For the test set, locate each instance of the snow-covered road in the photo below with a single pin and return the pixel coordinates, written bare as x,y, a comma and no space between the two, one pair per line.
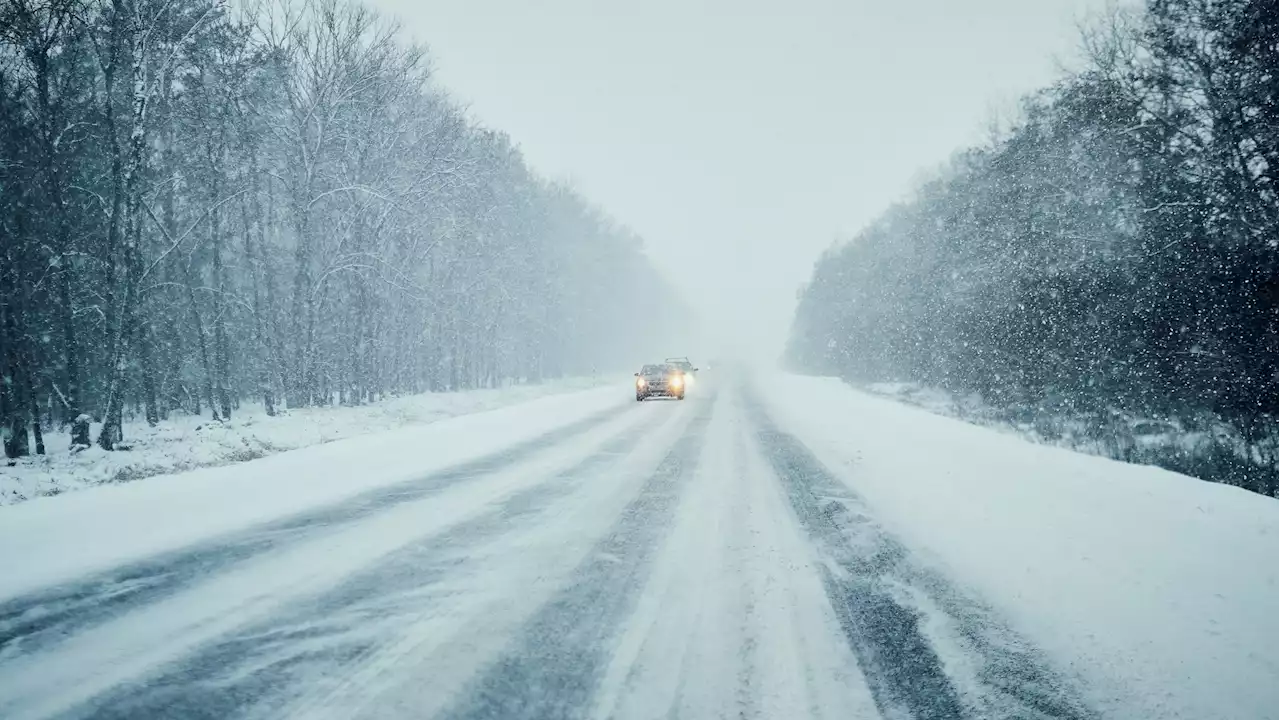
617,560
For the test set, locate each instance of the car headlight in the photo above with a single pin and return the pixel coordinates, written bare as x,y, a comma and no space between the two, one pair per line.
640,382
676,380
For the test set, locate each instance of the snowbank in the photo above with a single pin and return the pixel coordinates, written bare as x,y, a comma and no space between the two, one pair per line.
186,442
1203,445
1158,590
48,540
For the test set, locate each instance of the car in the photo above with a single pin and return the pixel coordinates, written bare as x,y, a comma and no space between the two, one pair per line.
660,380
685,367
682,363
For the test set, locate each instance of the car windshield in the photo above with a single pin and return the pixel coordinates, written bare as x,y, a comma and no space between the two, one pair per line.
320,320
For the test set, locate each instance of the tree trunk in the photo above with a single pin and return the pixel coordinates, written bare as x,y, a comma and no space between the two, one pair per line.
111,429
34,405
275,335
220,358
12,400
300,387
175,341
146,358
66,319
54,204
255,272
29,366
203,345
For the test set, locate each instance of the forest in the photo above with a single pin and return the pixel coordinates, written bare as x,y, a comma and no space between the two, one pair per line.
203,206
1104,260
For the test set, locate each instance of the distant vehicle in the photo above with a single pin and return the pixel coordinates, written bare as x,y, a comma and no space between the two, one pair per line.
682,363
685,367
660,380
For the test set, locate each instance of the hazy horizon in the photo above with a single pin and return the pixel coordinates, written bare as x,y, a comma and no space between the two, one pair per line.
738,166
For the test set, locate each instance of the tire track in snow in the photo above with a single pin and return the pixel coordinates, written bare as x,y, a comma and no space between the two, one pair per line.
259,670
553,668
889,609
660,657
733,620
138,643
39,620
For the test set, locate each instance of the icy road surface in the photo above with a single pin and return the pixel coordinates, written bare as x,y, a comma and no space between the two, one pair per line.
618,560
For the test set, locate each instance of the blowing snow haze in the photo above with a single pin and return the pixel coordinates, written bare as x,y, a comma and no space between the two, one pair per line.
354,367
741,138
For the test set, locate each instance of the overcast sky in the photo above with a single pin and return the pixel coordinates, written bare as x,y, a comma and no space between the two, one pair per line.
740,138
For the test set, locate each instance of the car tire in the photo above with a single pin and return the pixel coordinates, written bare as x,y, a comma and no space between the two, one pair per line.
639,397
680,396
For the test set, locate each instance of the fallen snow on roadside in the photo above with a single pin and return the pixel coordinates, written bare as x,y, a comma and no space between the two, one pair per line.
185,442
1195,445
49,540
1158,590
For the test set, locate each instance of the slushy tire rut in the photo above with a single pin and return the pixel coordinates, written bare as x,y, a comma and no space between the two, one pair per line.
258,670
865,573
555,665
33,622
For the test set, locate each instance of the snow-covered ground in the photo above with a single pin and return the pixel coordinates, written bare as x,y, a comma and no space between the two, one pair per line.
1156,589
1205,446
771,547
61,537
185,442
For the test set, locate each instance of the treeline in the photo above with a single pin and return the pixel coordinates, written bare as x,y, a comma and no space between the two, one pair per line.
201,207
1112,254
